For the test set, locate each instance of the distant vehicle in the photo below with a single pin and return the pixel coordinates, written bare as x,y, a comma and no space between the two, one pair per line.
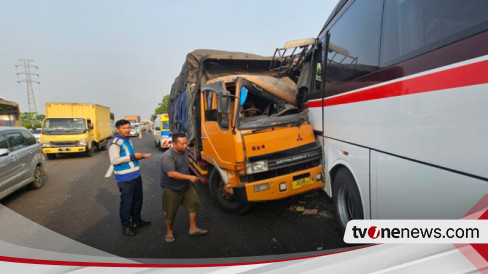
75,128
9,113
162,136
134,130
157,130
21,160
37,134
133,118
112,123
166,141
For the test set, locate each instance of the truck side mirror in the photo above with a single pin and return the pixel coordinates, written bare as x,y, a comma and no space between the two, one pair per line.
91,126
223,105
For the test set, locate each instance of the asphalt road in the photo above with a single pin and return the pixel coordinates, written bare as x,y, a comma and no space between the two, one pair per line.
78,202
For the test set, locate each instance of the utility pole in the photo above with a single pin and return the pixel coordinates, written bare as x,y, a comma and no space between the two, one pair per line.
28,80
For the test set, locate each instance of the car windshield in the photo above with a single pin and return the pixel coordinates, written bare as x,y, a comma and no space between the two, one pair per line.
64,126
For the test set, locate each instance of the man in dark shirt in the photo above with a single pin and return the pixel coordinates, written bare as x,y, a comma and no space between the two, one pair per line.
178,187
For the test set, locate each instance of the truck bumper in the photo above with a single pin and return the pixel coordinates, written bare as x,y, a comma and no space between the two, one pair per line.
63,150
282,186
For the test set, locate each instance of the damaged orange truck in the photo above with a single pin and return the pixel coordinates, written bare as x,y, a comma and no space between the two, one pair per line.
247,138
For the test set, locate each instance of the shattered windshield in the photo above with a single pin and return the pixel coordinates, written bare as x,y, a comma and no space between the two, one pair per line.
263,121
65,126
262,109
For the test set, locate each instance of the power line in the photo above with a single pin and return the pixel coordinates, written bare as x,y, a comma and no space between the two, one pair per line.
28,80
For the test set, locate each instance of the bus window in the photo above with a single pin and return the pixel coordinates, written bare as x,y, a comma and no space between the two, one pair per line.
353,50
411,28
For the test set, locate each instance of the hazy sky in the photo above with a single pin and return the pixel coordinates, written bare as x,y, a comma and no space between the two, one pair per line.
126,54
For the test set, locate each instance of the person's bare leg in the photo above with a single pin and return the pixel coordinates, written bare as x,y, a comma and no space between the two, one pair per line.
169,231
169,228
193,224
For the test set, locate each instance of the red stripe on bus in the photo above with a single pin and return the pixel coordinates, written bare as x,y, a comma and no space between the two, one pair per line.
468,75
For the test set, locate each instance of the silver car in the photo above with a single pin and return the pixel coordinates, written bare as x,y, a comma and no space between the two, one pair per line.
134,130
21,160
37,134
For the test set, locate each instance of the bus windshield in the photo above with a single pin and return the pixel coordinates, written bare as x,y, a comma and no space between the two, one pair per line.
9,114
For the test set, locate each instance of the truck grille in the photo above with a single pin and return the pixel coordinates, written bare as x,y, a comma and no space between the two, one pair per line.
65,144
286,162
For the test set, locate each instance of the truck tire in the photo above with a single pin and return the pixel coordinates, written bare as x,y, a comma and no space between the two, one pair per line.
90,151
347,200
102,145
225,201
51,156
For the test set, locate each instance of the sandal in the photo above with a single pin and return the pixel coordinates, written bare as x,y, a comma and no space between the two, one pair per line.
198,232
169,238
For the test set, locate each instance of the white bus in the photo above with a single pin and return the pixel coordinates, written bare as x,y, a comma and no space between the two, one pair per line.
398,97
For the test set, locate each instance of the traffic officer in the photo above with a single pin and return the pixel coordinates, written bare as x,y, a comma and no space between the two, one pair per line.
128,176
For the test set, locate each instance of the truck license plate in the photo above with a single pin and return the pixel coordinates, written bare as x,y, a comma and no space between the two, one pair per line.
301,183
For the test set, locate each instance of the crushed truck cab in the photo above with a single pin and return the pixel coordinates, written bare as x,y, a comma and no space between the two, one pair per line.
247,138
270,155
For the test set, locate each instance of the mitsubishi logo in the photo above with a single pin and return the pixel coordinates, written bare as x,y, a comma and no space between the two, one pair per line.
299,138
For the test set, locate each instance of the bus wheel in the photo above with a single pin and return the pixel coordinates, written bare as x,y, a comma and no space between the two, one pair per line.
51,156
346,198
225,201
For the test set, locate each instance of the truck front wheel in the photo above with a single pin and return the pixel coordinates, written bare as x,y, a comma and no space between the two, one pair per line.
224,200
90,151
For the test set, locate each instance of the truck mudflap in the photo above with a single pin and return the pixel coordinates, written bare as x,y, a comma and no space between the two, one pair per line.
281,187
240,193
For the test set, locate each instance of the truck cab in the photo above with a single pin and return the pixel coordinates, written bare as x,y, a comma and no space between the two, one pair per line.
259,146
66,135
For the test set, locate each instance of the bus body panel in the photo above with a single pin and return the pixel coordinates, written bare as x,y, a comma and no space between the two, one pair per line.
409,190
426,127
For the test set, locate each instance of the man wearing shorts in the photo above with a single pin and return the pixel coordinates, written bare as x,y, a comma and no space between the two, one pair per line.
178,187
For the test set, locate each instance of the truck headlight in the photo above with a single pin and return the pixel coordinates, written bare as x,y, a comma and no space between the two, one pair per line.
256,167
46,144
83,142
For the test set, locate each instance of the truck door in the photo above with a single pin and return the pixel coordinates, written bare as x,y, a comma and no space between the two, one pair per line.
217,138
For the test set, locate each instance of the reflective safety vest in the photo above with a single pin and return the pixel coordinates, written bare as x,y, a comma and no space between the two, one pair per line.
125,171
